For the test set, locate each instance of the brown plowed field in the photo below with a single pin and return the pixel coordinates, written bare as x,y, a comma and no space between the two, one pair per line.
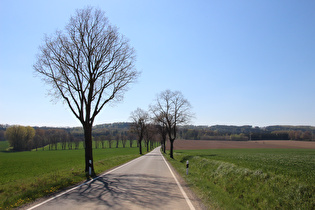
200,144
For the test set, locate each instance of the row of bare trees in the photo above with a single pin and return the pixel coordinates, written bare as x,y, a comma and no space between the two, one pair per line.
23,138
170,109
144,128
55,137
114,139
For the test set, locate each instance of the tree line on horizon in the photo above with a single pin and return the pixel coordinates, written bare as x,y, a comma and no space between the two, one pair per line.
28,138
25,138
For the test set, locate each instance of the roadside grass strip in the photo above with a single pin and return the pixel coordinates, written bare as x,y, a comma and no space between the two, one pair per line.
225,185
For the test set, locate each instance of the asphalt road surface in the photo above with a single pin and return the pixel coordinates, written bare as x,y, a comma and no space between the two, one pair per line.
144,183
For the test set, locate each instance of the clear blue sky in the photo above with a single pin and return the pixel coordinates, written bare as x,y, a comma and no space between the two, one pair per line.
237,62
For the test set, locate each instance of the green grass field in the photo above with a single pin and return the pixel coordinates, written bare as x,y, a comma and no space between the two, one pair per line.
25,176
250,178
3,145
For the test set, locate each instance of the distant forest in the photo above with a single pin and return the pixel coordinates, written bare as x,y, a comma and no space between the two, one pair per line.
247,132
216,132
121,132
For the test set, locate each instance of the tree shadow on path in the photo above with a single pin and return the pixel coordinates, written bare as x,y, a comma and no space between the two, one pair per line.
117,191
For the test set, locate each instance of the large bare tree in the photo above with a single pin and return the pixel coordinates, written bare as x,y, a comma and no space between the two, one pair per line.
88,65
171,109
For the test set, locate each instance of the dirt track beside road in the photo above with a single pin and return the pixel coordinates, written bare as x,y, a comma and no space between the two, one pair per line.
202,144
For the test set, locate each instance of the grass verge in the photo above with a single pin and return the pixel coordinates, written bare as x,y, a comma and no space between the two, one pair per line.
250,178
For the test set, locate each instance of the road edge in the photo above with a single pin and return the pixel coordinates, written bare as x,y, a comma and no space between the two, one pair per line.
196,201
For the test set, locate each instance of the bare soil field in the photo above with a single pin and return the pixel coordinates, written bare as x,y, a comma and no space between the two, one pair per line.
200,144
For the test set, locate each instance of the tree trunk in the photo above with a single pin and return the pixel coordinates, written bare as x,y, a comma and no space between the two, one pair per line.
140,147
88,151
171,154
164,144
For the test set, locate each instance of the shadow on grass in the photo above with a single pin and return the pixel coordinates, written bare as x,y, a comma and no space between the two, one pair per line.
14,151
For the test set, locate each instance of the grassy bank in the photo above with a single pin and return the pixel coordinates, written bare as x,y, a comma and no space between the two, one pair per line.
251,178
25,176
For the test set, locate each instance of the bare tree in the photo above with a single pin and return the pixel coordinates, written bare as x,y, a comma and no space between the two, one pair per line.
124,138
117,137
103,138
53,136
70,142
131,137
109,139
87,65
149,134
39,138
96,141
160,121
64,138
77,142
140,119
172,109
